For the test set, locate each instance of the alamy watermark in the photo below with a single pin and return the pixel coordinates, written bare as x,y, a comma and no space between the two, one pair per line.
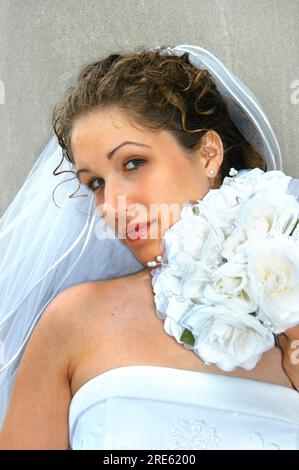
295,93
132,219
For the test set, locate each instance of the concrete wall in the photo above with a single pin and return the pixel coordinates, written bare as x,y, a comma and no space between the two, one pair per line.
44,44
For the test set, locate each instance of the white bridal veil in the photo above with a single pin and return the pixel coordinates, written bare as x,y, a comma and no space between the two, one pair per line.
45,248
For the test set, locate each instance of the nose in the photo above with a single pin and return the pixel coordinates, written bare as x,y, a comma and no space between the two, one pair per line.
113,209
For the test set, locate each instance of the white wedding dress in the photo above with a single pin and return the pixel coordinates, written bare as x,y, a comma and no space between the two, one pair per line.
153,407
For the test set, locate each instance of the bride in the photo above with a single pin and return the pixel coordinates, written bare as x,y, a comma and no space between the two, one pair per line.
87,363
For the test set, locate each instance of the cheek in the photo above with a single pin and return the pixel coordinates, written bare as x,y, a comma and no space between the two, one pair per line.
168,182
160,191
175,183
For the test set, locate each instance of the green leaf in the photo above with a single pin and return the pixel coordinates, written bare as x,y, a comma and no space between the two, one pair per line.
187,337
195,210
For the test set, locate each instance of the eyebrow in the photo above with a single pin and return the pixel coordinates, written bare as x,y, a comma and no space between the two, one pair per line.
111,153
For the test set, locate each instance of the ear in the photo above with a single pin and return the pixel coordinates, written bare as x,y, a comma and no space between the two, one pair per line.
211,152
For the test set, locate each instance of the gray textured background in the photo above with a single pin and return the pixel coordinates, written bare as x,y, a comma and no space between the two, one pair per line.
44,44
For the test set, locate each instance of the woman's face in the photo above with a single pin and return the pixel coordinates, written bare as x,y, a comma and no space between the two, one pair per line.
145,182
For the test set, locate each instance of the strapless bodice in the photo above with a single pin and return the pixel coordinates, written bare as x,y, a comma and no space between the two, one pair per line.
153,407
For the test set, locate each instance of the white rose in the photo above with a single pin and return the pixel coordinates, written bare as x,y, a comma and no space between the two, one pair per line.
274,179
234,190
232,247
174,313
220,199
229,281
227,338
168,288
194,284
262,214
273,270
268,213
189,241
244,183
173,328
258,180
219,208
163,281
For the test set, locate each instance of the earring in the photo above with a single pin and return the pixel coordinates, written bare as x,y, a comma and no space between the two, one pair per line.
212,172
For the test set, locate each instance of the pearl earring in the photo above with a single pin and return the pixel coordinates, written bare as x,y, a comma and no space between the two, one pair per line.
212,172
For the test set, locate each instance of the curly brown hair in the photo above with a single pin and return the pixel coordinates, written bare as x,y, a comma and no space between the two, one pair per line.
160,91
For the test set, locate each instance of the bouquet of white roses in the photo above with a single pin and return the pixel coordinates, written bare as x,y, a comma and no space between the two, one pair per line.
229,275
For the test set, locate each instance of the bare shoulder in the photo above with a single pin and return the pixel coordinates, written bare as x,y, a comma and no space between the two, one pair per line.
37,415
75,304
85,306
112,322
123,295
101,293
89,308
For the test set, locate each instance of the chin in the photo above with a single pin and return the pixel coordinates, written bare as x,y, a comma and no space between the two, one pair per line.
145,250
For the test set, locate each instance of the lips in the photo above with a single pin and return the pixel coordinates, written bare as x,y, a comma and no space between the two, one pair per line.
136,230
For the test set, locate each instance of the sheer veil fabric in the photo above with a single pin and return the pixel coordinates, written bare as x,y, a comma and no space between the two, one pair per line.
47,246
